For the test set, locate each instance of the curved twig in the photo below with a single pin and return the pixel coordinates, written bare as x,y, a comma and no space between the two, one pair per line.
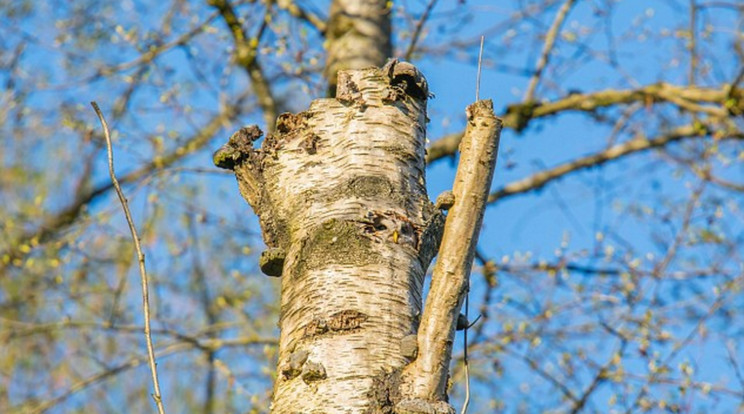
417,31
140,259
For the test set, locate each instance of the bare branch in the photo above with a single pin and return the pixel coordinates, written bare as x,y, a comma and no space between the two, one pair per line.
94,379
140,259
246,56
23,329
711,101
693,43
550,37
599,378
656,374
540,179
60,221
171,349
417,31
735,364
303,14
735,83
535,366
426,377
150,55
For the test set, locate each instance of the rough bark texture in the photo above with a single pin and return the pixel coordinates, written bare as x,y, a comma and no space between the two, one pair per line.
340,193
358,36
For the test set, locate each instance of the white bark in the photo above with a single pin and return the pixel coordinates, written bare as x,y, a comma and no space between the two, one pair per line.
340,192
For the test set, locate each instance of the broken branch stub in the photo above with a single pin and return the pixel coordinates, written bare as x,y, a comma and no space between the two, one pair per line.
424,381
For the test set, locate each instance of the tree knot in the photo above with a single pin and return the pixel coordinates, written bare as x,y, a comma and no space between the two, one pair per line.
343,321
238,147
405,79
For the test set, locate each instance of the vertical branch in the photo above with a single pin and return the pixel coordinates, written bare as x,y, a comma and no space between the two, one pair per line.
475,252
542,62
478,76
426,377
140,259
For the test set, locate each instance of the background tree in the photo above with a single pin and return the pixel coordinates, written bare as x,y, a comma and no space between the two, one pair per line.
608,275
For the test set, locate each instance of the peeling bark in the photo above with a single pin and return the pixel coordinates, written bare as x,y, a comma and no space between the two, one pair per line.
340,193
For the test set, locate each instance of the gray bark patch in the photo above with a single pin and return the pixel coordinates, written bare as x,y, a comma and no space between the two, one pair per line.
369,186
288,122
445,201
313,371
293,367
418,406
384,393
343,321
390,226
431,235
346,320
335,242
409,346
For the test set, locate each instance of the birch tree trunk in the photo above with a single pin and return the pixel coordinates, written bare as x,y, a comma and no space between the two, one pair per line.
341,196
358,37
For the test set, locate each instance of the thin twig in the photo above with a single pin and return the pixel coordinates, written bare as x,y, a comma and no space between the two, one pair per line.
147,57
735,364
170,348
534,365
478,75
679,346
140,259
542,62
417,31
465,351
56,223
211,315
599,378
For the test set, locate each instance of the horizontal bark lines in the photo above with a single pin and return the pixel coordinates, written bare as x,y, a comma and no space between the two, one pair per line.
340,192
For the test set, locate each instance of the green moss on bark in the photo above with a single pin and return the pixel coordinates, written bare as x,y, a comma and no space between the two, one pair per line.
337,242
